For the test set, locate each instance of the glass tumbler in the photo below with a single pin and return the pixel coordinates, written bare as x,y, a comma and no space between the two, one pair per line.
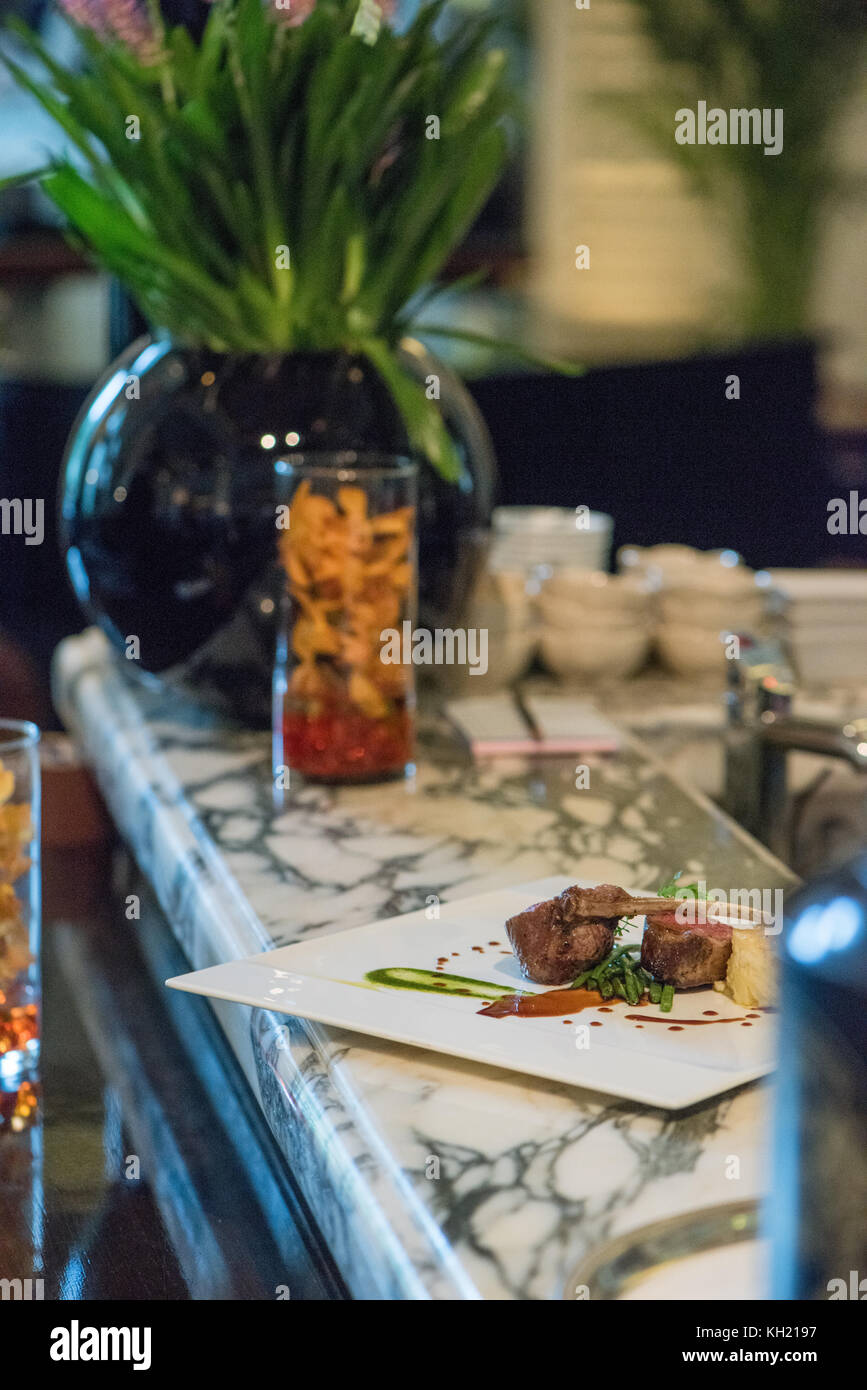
19,902
344,693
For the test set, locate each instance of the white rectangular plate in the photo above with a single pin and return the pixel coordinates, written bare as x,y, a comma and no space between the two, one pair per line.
664,1061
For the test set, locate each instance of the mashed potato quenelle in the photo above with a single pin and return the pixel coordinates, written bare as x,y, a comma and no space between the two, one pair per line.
751,977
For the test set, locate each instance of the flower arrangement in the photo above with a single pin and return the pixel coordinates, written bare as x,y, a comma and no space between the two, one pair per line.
294,180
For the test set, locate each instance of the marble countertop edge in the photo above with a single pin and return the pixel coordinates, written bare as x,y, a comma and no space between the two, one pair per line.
163,820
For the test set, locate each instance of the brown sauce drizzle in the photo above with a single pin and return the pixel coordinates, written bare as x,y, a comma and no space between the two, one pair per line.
681,1022
552,1004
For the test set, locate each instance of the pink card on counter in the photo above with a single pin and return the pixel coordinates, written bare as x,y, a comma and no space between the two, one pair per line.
540,725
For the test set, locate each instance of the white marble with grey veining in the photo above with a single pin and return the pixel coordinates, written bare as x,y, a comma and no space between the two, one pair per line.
430,1178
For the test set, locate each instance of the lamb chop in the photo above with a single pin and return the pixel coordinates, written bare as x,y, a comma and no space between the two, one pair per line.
555,941
685,955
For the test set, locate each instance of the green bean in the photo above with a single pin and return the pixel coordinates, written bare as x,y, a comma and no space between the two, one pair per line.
633,991
600,971
655,991
625,950
620,988
616,963
666,999
606,989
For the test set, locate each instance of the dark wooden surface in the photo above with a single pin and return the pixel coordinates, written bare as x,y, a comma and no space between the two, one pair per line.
38,257
145,1170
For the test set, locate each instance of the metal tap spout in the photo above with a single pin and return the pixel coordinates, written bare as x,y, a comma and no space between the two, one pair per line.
762,731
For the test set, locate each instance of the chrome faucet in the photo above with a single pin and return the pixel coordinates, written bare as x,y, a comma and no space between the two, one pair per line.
761,731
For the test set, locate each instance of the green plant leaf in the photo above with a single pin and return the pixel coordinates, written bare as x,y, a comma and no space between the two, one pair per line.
19,180
424,423
258,135
504,346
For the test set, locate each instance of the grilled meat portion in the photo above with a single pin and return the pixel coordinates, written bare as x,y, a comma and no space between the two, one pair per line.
685,956
556,940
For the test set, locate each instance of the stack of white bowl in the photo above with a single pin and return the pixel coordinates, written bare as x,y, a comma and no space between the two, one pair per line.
499,605
595,626
703,598
824,623
535,540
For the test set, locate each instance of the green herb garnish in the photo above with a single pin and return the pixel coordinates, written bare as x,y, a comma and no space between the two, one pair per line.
675,889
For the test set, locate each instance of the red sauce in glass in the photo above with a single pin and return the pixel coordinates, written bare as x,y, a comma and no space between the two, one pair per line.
343,744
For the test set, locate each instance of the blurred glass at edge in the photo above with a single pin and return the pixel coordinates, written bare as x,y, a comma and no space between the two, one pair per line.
817,1186
20,906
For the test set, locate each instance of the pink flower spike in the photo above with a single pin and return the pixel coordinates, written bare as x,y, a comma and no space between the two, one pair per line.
294,12
125,20
86,13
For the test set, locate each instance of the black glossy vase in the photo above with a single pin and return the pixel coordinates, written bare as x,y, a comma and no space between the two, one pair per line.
168,500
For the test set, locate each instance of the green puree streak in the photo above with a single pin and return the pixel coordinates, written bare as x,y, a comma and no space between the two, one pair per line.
434,982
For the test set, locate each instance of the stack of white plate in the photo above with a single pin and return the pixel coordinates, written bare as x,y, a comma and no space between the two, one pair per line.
533,539
824,623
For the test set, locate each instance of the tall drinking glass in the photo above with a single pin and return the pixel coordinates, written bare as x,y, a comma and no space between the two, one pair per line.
344,690
19,902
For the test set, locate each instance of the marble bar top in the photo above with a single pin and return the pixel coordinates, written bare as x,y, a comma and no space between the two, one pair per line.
531,1175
